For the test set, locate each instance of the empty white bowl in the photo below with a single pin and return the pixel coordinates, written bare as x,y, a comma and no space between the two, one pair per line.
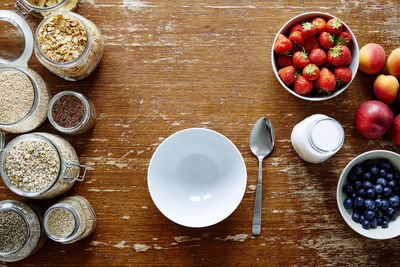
353,49
197,177
378,233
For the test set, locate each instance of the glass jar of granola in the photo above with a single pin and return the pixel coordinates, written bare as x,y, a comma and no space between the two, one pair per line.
44,8
69,45
69,220
24,95
40,165
21,232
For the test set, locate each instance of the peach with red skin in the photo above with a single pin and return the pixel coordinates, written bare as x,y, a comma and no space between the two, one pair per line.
386,88
372,58
393,63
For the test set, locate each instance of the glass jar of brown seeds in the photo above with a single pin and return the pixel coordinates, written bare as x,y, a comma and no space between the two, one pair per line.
71,113
69,45
40,165
21,232
69,220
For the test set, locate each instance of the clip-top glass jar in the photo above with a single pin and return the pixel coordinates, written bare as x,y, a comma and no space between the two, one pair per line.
40,166
69,45
24,95
44,7
69,220
21,232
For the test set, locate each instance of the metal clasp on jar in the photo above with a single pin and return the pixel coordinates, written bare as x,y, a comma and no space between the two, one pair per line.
69,168
20,8
2,141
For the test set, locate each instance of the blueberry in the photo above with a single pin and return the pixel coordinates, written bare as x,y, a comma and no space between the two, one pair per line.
385,164
368,163
390,211
397,175
359,202
357,184
361,192
393,216
370,192
392,184
378,188
381,181
385,218
394,201
352,177
374,170
378,202
382,172
366,224
387,191
362,218
385,224
348,203
374,222
367,184
367,175
357,169
389,176
369,204
385,205
369,214
348,188
380,221
355,217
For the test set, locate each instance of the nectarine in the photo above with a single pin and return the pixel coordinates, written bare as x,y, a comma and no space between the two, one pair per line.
372,58
393,63
386,88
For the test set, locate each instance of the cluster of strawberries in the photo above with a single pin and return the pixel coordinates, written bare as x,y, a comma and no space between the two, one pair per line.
315,55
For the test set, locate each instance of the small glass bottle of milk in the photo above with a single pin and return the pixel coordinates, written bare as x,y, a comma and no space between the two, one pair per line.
317,138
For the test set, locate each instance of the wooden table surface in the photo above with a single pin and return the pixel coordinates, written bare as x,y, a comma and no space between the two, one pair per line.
171,65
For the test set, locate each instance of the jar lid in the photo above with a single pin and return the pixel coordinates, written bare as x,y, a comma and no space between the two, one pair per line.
18,22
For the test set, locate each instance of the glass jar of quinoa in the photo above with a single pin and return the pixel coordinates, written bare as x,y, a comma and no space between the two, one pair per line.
44,8
69,45
69,220
24,95
21,232
40,166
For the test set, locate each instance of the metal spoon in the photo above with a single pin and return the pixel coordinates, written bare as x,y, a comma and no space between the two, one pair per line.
261,144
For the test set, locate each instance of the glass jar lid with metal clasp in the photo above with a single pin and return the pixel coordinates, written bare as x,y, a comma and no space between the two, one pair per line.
43,8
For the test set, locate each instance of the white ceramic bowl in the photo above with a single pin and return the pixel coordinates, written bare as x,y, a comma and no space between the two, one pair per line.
353,48
378,233
197,177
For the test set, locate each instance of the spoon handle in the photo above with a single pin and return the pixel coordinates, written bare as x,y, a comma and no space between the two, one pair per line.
256,228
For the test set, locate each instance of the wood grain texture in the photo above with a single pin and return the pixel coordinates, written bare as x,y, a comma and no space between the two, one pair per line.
171,65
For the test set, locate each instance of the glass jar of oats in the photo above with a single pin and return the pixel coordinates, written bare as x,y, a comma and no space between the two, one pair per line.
24,95
69,45
44,8
69,220
21,232
40,166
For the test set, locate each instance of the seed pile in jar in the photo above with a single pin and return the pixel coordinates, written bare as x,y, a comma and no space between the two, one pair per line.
68,111
44,3
13,231
32,165
16,96
62,39
60,223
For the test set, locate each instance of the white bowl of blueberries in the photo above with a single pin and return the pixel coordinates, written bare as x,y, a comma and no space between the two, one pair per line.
368,194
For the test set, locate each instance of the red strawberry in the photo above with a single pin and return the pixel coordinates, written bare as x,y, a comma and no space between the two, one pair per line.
339,56
300,60
311,72
326,40
343,74
287,74
284,60
326,80
282,44
302,86
297,39
334,26
343,39
318,57
320,23
310,43
295,28
308,29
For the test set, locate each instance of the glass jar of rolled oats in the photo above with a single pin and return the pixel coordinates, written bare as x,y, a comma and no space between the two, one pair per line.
21,232
24,95
40,165
69,45
43,8
69,220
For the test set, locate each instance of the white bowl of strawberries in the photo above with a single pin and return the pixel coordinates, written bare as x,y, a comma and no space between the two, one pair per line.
315,56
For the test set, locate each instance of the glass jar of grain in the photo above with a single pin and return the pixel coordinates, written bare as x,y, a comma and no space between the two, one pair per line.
21,232
71,113
24,95
69,220
40,166
69,45
44,8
